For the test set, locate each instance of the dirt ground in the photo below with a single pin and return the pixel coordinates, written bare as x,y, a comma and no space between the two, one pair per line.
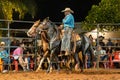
90,74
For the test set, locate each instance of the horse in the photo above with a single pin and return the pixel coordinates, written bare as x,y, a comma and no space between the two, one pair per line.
32,32
54,37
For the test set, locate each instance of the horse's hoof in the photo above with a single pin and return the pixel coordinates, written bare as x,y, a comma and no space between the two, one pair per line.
47,71
57,72
70,72
37,70
81,71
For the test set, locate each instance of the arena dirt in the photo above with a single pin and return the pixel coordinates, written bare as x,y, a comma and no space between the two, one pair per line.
90,74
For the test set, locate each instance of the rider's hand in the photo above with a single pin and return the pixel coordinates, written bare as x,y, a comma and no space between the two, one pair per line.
61,26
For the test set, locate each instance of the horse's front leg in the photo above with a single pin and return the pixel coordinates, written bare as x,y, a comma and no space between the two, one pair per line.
57,62
84,52
53,57
83,62
50,63
41,61
77,66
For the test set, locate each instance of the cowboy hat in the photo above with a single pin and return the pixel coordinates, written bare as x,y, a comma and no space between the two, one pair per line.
2,43
67,9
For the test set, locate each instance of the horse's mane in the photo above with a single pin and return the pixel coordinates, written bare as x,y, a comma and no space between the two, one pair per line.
55,27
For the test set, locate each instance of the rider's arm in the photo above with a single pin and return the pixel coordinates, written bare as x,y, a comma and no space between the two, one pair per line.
67,19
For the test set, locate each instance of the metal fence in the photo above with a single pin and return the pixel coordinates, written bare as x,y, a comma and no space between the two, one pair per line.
9,30
7,33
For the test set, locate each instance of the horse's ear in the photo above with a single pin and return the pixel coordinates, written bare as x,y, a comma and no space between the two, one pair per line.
38,21
47,18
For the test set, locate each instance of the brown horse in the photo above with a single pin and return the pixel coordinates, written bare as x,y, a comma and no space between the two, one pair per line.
53,36
32,32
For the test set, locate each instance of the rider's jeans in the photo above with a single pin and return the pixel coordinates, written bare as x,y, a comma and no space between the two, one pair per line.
66,39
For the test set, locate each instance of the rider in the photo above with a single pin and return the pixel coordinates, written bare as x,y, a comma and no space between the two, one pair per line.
68,25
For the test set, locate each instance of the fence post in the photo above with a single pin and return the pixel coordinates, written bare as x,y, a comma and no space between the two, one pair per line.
8,25
35,66
98,26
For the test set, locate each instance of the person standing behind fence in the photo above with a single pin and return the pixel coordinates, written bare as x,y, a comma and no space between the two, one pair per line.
68,25
14,43
109,50
99,56
101,42
109,43
18,55
4,58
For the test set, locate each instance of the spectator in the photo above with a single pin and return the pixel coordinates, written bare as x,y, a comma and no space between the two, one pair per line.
117,44
18,55
109,51
27,53
99,55
109,43
116,59
27,60
14,43
25,41
30,48
101,43
92,41
4,56
31,51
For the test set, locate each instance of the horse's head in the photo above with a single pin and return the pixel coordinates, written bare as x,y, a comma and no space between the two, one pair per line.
45,24
32,31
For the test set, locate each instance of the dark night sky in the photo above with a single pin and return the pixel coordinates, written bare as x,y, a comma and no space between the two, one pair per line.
52,8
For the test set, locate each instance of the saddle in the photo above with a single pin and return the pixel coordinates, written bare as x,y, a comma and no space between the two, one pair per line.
74,35
74,38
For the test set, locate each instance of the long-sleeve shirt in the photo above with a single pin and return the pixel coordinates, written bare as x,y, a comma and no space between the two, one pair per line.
4,54
68,21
